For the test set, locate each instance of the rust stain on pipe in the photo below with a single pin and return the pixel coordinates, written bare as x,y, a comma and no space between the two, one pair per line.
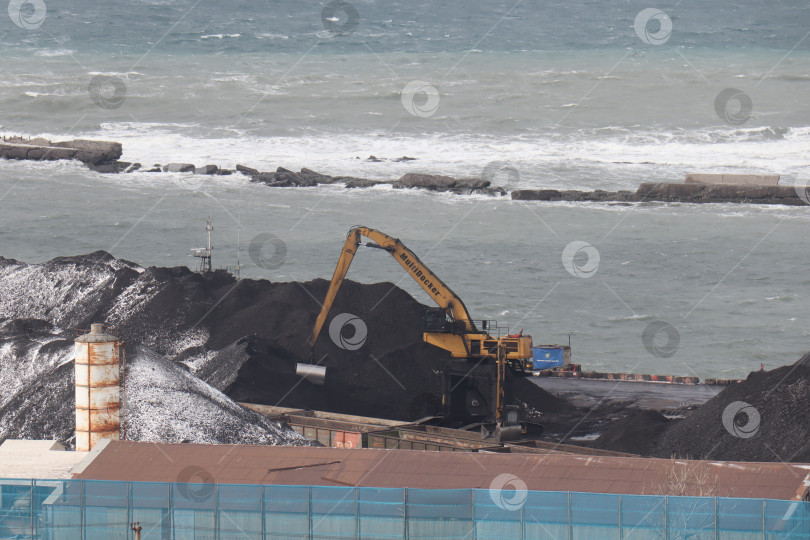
98,390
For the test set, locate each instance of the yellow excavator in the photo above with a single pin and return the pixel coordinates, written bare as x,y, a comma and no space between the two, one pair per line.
478,355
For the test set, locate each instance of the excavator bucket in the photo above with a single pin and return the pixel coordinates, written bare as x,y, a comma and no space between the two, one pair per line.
311,372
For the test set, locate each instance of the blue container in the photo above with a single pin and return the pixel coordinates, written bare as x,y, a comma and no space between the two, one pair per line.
551,356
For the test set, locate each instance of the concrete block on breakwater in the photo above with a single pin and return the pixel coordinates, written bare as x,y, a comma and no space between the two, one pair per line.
88,152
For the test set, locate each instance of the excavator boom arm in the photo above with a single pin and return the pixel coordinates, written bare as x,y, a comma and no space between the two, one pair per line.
430,282
346,257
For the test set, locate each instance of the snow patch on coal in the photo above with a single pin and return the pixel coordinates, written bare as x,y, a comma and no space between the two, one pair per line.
61,290
164,402
167,404
29,347
221,369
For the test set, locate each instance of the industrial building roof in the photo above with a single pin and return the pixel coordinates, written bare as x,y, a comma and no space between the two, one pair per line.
37,459
246,464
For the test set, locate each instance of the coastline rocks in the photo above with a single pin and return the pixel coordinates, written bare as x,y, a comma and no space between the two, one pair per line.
375,159
249,171
179,167
308,178
207,169
461,186
113,167
433,182
287,178
361,183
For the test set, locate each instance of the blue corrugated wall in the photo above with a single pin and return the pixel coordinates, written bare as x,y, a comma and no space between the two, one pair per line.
77,509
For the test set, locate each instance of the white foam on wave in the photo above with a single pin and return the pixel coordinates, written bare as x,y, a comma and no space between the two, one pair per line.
220,36
54,52
115,73
609,158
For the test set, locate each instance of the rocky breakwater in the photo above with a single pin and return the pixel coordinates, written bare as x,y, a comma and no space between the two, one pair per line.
103,157
308,178
673,192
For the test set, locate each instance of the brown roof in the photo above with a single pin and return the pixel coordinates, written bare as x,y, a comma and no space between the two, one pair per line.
286,465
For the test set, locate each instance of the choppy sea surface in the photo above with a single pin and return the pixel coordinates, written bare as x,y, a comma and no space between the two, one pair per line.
573,95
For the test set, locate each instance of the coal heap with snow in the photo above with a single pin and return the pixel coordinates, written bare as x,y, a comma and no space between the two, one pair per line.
165,403
243,338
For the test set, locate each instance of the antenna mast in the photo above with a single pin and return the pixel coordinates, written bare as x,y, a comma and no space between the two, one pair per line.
238,244
204,254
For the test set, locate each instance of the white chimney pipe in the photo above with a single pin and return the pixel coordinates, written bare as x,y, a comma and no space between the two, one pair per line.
98,397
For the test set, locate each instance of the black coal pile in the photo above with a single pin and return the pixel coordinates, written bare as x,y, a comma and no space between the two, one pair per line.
245,337
763,418
636,433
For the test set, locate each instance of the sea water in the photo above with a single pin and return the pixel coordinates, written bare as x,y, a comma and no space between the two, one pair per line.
573,95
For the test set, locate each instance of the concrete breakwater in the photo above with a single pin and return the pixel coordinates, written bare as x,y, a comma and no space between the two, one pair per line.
672,192
92,153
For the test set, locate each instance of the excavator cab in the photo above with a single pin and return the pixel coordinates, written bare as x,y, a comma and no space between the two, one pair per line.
436,321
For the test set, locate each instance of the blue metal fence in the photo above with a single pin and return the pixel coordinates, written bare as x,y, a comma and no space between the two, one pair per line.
88,510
